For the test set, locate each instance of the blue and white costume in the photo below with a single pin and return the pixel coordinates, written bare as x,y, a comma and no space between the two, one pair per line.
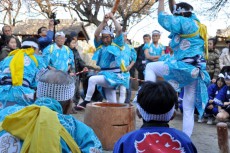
152,139
128,55
188,70
81,133
166,57
222,96
108,58
153,50
59,58
213,91
21,95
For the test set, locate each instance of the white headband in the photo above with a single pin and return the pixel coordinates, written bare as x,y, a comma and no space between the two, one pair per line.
55,91
180,10
221,75
156,32
60,33
30,43
156,117
107,30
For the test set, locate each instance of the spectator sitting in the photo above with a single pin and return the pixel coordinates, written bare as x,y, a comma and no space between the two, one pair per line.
11,44
48,126
212,109
7,32
222,99
45,36
58,56
156,107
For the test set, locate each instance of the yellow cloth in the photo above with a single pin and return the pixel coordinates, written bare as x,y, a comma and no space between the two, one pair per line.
17,64
123,67
112,44
204,36
202,30
40,129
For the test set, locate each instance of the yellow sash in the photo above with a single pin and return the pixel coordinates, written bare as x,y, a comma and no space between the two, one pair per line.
40,129
17,64
112,44
122,66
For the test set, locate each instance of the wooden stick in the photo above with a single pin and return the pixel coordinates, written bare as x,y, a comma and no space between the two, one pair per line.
74,74
222,134
115,6
137,79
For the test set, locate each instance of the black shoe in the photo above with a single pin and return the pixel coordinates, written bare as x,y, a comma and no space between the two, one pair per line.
81,106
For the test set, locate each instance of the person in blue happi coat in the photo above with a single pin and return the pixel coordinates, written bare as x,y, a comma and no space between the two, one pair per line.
129,56
109,58
57,56
222,99
35,126
153,51
156,106
188,69
18,75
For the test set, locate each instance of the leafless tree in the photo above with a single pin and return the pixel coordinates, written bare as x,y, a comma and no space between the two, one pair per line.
43,7
10,9
131,11
87,10
215,7
128,10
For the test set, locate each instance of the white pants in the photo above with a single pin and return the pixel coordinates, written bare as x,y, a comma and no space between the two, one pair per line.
122,94
155,69
110,92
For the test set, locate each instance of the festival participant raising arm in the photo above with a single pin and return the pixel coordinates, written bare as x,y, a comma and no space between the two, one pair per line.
188,70
108,57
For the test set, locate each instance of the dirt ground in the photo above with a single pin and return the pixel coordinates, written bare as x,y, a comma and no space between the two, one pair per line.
204,136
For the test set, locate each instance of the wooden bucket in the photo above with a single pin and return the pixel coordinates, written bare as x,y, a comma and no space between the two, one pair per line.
110,121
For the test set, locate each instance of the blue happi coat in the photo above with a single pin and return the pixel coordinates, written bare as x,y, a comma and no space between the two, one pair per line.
128,54
155,139
109,58
180,72
81,133
21,95
222,96
213,91
153,50
59,58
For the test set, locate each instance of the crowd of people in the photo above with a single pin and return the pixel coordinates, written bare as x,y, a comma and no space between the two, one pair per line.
39,83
